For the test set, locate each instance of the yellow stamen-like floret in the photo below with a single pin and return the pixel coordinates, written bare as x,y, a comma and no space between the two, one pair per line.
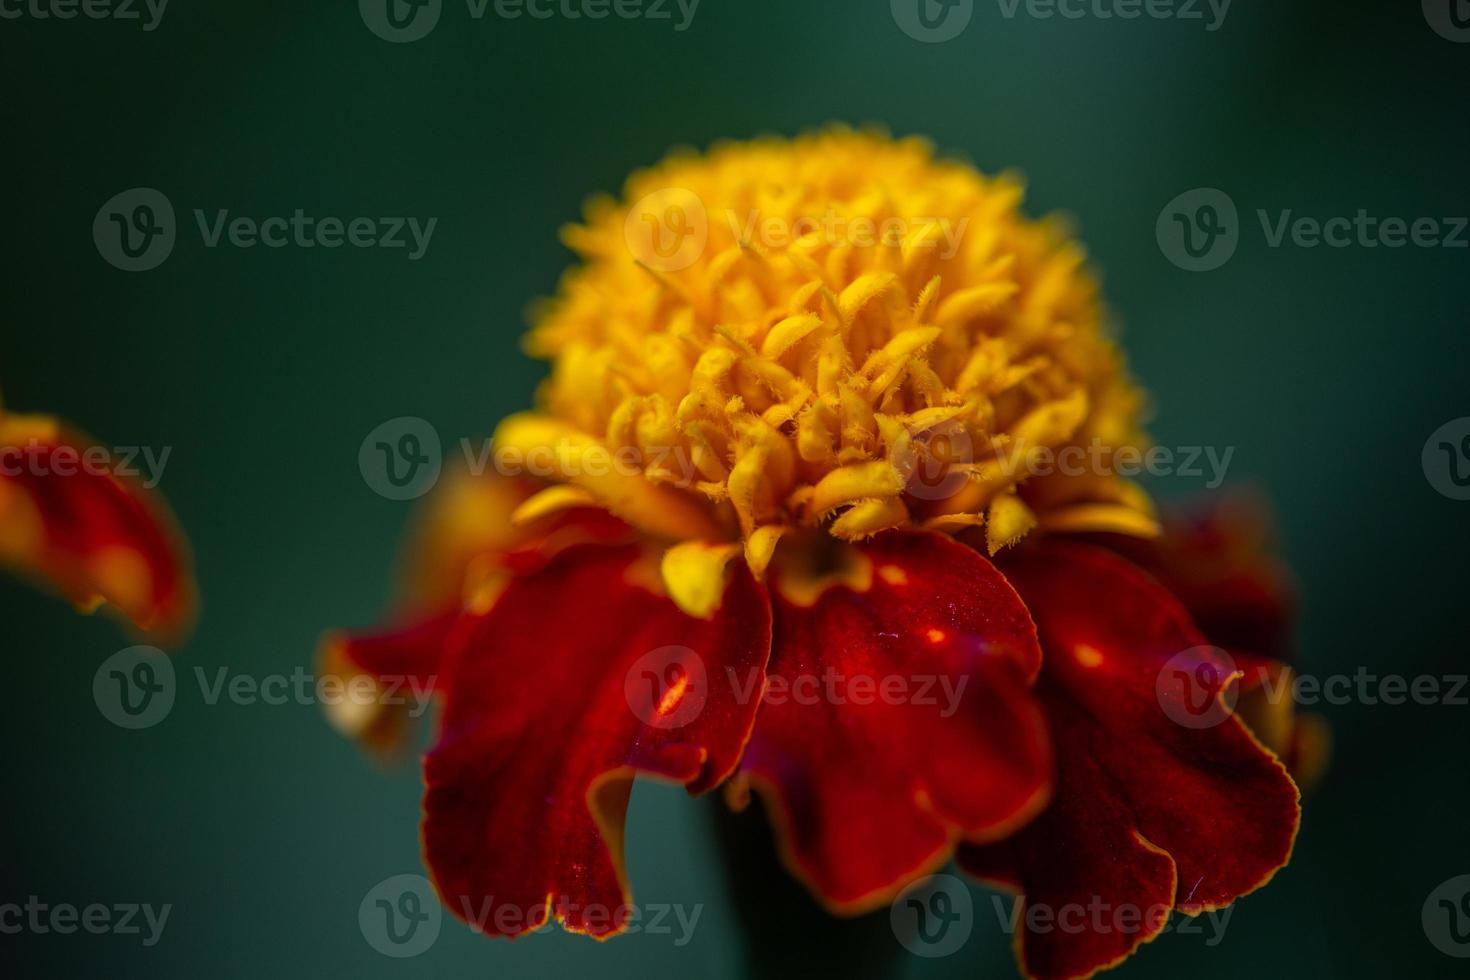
838,331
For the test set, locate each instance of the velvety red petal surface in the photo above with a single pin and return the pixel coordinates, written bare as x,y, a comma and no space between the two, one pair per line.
1216,558
464,548
580,677
97,537
1147,811
866,791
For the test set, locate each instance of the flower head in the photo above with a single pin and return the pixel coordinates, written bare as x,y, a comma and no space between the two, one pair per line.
837,331
783,523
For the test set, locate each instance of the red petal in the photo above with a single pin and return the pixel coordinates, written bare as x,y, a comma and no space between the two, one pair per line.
1216,558
1147,811
865,796
465,547
555,700
96,536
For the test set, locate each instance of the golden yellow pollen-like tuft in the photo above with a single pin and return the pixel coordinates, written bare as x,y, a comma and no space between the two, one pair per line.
838,331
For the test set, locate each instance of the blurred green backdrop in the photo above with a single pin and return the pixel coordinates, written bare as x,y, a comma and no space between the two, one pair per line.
1326,368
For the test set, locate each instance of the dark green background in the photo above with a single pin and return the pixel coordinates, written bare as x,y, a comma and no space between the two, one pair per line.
264,370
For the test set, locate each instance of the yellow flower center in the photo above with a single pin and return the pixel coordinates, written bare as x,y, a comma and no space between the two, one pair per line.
835,332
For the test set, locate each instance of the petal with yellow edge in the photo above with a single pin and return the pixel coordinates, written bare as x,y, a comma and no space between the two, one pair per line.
99,537
1149,815
474,534
581,677
899,717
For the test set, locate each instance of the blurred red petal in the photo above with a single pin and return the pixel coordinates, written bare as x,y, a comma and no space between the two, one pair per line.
865,796
1146,810
97,536
580,677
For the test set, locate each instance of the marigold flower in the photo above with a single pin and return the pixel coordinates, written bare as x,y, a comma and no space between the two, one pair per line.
96,535
804,405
